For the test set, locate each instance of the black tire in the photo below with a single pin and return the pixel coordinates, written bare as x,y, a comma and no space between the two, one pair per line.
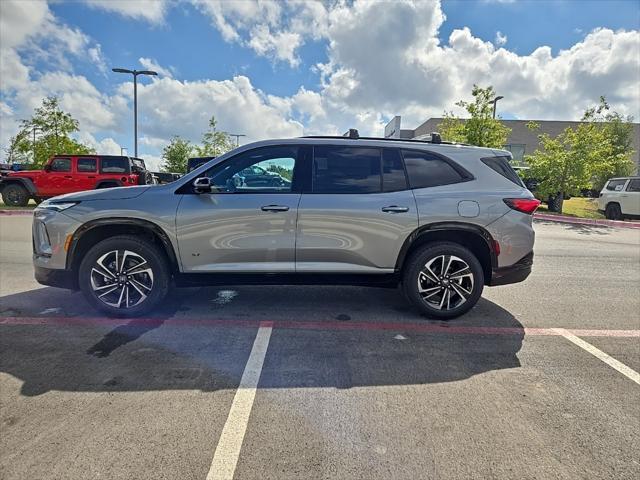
158,280
473,281
14,195
613,212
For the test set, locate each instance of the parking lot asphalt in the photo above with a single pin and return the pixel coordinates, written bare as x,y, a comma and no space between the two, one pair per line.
335,382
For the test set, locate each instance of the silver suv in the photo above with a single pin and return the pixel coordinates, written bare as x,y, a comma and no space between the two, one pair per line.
442,220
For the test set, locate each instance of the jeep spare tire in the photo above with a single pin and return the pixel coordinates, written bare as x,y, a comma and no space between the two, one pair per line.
145,178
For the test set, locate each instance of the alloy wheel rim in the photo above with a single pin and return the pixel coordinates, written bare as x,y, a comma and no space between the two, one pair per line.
121,279
445,282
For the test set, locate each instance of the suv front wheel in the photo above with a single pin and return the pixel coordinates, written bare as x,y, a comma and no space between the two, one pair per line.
124,276
444,280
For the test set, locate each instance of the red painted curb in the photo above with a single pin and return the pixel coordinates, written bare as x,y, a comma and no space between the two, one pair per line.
586,221
16,212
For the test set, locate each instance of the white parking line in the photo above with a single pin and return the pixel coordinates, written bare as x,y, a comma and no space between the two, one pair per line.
227,452
612,362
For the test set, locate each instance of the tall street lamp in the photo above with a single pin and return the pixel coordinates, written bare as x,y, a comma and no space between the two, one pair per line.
135,74
495,101
237,135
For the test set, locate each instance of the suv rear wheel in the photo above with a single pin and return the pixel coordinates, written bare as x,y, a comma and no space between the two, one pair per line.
14,195
444,280
124,276
613,212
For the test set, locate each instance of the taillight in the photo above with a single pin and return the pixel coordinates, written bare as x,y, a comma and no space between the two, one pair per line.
524,205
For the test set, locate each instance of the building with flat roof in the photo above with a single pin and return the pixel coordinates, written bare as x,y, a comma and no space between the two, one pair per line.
521,141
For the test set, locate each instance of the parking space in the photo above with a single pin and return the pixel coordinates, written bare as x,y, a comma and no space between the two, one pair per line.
352,383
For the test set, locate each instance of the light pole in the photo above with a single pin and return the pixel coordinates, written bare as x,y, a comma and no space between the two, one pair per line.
35,129
135,74
495,101
237,135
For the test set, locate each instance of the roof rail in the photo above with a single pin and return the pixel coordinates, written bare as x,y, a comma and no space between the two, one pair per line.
435,138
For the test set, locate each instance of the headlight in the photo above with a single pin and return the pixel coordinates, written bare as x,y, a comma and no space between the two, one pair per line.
55,206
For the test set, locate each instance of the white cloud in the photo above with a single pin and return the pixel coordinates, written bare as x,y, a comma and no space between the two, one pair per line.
151,64
275,30
152,11
29,31
500,39
172,107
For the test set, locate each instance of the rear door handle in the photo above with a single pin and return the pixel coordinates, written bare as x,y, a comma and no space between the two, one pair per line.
275,208
395,209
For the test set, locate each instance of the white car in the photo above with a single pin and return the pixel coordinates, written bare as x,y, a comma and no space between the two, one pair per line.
620,198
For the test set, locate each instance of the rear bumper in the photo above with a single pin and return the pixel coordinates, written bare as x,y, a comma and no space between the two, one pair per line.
56,278
515,273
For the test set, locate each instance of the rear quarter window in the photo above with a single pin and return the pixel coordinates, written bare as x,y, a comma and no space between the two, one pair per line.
616,185
502,166
114,165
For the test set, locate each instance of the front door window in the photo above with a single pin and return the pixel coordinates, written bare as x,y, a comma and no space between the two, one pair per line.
266,170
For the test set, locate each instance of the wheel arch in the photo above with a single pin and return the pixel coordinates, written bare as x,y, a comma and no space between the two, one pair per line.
474,237
108,184
24,182
94,231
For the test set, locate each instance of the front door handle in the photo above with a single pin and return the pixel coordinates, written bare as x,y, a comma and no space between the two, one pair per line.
68,176
395,209
275,208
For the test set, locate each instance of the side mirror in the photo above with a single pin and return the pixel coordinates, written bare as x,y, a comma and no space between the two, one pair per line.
202,185
47,167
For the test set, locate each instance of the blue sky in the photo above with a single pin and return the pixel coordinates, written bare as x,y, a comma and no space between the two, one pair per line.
286,68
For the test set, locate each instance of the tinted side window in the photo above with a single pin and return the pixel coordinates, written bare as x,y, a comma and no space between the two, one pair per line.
114,165
61,165
634,185
504,168
263,170
427,170
346,170
86,165
616,185
393,176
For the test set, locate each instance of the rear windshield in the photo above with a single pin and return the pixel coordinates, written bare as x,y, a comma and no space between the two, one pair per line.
504,168
114,165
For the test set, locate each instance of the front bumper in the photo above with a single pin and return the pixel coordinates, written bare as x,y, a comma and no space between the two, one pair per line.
53,277
515,273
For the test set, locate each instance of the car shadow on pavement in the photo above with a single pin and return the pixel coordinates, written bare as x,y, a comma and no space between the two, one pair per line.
205,345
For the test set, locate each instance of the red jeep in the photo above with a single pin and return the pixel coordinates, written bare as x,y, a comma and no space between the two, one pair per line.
72,173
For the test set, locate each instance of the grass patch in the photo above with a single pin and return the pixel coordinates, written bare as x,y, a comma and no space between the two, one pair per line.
30,206
577,207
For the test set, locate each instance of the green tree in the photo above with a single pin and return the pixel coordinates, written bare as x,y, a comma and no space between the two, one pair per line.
619,131
176,154
564,164
53,128
214,142
583,157
480,129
